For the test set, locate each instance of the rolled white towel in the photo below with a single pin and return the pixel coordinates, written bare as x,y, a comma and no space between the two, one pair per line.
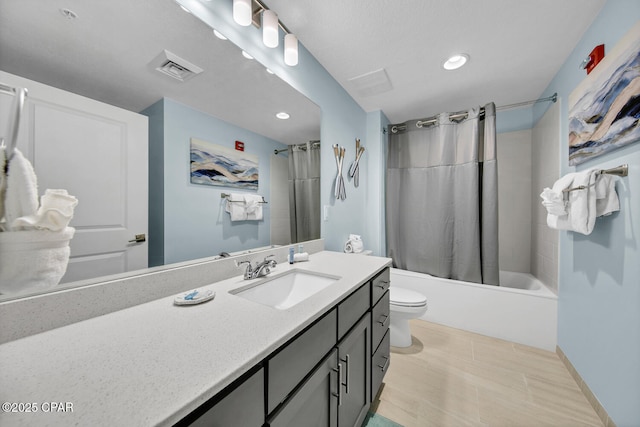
354,244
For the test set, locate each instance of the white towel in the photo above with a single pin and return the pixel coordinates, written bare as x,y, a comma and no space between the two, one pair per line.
606,197
253,206
55,212
354,245
33,260
598,198
553,202
21,198
236,207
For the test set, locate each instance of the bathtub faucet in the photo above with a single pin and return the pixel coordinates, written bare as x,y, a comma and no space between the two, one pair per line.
262,268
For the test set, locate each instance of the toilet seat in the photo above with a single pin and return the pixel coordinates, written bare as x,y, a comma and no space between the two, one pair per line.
406,297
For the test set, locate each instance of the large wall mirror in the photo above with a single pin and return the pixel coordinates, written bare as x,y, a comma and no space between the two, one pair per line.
105,51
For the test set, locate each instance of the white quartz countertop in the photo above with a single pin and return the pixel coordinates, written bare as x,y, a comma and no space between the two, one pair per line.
154,363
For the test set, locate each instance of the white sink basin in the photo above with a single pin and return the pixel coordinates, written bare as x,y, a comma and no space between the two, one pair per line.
285,290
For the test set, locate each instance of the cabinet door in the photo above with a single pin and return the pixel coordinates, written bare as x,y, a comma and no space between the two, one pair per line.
354,356
380,363
316,402
243,407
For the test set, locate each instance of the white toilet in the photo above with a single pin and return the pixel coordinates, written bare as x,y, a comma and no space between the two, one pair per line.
405,304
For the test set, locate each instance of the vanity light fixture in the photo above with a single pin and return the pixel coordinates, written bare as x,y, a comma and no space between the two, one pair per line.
242,12
455,61
246,12
282,115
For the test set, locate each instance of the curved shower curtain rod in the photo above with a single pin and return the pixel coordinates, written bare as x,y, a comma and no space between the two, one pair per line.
425,122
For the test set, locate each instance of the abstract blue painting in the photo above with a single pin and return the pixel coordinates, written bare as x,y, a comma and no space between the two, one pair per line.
604,110
213,164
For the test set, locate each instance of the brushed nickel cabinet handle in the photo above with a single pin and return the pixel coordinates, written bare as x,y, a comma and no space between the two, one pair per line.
339,394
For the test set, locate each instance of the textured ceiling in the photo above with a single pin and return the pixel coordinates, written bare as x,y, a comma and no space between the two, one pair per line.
516,47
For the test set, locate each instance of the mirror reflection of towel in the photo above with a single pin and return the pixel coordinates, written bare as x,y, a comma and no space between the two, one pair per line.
253,206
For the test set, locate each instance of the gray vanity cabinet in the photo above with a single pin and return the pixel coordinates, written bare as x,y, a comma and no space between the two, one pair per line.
316,401
242,407
354,363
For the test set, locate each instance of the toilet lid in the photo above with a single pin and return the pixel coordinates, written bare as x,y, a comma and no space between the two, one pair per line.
406,297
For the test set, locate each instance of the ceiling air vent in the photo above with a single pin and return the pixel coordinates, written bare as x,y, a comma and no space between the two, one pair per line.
174,66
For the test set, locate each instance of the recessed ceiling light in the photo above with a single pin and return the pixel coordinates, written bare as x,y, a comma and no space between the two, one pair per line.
269,71
282,115
219,35
456,61
246,55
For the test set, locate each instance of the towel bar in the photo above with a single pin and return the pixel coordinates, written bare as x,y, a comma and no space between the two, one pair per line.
227,196
622,170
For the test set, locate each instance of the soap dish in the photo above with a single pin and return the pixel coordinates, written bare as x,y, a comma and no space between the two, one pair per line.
196,296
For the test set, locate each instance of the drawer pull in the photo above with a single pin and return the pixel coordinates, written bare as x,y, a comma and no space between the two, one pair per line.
383,284
383,322
346,384
339,394
386,363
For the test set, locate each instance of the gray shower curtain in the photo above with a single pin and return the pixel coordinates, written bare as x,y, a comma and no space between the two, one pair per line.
304,191
442,198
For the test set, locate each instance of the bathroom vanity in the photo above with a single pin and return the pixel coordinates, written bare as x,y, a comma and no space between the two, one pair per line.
229,361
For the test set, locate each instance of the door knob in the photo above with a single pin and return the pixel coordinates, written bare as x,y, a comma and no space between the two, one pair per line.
139,238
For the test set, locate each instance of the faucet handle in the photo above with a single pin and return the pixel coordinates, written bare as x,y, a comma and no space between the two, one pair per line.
269,259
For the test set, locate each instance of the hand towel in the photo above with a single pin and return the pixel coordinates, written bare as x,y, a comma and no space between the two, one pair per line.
606,197
253,204
553,202
55,212
581,204
236,207
21,197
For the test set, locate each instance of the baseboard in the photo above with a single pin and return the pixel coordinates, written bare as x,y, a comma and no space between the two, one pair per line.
591,398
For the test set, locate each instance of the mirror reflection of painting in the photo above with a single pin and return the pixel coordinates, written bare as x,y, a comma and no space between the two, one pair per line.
213,164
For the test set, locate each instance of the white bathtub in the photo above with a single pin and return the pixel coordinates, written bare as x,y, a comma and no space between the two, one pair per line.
521,310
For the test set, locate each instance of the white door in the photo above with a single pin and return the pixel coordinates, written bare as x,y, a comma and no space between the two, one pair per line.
99,154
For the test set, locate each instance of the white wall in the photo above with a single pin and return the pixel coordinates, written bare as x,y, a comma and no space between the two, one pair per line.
514,200
545,151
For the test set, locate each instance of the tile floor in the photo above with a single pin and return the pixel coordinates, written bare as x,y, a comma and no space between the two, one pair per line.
450,377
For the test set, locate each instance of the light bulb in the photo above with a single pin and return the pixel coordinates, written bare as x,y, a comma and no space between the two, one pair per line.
290,50
242,12
270,28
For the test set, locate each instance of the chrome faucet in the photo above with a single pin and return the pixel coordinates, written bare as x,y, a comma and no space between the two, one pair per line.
262,268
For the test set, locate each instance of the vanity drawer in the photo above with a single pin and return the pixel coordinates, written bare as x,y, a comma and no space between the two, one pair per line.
380,363
380,285
352,309
380,319
295,360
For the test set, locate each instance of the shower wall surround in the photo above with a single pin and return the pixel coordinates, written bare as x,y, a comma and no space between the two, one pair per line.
514,195
545,150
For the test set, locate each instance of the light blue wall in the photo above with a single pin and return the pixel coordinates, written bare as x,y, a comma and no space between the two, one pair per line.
342,120
599,277
189,221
